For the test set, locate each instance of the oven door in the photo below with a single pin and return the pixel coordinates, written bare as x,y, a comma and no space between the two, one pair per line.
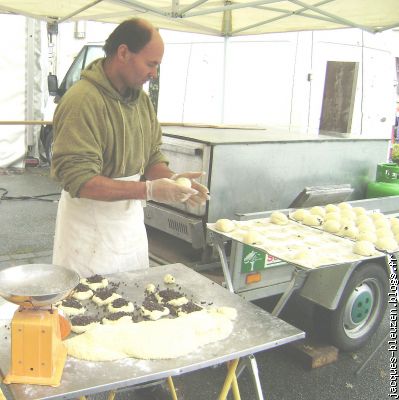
184,156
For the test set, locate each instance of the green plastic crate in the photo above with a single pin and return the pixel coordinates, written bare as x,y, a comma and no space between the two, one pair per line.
388,173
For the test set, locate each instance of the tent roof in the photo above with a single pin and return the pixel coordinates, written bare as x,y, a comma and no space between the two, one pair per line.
224,18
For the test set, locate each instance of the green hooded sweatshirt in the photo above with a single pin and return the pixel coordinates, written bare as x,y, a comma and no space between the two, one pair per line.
99,132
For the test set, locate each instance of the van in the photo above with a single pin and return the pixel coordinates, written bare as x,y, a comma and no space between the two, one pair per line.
86,55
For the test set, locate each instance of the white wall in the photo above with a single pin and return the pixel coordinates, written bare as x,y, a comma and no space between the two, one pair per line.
267,79
12,93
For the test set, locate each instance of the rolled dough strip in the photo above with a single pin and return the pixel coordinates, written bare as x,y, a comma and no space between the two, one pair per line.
162,339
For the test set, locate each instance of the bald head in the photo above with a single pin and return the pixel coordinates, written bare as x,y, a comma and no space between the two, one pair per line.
134,51
135,33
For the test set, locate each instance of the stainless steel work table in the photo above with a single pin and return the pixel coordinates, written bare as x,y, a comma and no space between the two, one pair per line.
254,330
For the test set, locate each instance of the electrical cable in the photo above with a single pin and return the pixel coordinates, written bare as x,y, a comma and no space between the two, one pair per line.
38,197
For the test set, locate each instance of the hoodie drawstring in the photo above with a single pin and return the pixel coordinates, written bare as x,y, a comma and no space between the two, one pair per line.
124,140
142,142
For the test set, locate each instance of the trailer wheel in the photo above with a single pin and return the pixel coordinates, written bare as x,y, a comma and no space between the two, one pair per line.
361,308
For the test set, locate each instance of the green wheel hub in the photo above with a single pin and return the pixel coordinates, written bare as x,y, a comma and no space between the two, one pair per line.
358,313
361,306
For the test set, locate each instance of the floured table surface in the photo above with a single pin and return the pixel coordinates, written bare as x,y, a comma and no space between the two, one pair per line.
84,377
295,243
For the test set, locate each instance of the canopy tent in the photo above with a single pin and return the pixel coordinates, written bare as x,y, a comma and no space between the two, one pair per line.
222,18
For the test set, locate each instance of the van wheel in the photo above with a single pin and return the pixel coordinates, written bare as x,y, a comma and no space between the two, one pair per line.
361,308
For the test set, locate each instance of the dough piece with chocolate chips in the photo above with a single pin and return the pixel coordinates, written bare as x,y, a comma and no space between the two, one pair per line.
82,323
171,297
118,318
71,307
153,310
188,308
120,305
82,292
105,296
95,282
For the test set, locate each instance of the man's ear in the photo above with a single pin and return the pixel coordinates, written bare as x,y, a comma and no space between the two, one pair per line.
123,52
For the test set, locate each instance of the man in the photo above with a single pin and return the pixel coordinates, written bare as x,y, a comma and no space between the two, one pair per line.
106,140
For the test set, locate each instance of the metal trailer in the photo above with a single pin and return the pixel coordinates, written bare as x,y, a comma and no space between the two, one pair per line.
350,298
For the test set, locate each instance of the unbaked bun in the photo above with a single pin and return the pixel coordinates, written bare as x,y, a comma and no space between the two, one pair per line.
364,248
387,244
312,220
224,225
253,238
331,226
278,218
299,214
331,208
317,210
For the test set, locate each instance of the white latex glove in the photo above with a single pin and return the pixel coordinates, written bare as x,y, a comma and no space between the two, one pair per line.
203,192
168,191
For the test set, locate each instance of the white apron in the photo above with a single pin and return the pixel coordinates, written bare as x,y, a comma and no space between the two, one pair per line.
100,237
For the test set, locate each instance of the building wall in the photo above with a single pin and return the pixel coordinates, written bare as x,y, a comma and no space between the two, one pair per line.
277,79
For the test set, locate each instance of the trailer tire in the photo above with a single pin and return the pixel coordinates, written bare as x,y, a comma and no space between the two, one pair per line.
361,308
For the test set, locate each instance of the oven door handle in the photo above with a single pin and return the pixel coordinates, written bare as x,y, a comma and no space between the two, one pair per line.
188,150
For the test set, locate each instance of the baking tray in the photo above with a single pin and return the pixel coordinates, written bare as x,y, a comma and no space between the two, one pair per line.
296,243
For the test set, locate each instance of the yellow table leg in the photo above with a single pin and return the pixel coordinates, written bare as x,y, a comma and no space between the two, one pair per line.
111,395
172,388
236,391
2,397
231,376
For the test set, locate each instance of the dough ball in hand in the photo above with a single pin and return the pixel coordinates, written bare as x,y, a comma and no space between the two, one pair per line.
278,218
183,182
364,248
224,225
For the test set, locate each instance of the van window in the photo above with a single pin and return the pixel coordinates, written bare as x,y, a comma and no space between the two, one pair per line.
84,58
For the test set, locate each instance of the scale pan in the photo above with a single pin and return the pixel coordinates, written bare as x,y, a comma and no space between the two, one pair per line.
37,284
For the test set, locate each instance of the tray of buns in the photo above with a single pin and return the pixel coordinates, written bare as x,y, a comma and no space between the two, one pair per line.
294,242
354,223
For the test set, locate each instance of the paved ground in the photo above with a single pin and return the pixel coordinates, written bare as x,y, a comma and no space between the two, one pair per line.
26,236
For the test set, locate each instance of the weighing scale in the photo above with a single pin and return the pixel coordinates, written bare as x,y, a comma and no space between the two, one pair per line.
37,352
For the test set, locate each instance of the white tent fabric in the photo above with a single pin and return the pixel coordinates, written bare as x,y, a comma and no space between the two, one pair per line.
224,18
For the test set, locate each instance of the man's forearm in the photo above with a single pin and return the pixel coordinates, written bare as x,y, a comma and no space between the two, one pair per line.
157,171
107,189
